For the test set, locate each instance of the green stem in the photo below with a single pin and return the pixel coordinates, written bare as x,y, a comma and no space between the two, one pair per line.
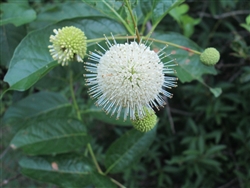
94,158
133,19
172,44
73,96
118,16
117,183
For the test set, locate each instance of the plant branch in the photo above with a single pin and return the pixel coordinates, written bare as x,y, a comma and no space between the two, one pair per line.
117,183
133,19
225,15
118,16
94,158
73,96
145,38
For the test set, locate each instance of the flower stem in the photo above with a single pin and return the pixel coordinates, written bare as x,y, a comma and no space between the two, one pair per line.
133,19
73,96
94,158
75,105
173,44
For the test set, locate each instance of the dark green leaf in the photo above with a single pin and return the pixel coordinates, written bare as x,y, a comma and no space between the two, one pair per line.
16,13
158,9
64,171
50,136
216,91
56,12
98,113
32,59
128,149
44,103
215,149
10,37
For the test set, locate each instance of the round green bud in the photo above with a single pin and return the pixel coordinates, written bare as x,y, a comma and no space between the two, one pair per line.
68,44
147,122
210,56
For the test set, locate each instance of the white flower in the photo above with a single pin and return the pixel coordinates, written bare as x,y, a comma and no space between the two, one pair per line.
129,77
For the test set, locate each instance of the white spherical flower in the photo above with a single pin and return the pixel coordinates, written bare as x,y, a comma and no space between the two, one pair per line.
129,77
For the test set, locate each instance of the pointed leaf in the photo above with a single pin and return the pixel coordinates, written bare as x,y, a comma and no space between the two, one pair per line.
50,136
39,104
32,59
128,149
216,91
16,13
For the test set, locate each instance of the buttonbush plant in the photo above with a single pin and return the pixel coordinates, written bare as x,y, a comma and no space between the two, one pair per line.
86,99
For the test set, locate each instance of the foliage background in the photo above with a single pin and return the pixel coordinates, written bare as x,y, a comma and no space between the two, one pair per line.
202,140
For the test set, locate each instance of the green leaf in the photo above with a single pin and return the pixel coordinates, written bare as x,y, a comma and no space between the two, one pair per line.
53,13
189,66
16,13
32,60
10,37
50,136
98,113
46,104
215,149
127,149
158,9
64,171
216,91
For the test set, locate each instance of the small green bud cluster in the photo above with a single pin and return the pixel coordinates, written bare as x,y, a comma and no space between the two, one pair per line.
68,44
147,122
210,56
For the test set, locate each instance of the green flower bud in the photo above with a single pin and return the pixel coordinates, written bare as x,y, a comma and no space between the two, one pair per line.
210,56
68,44
147,122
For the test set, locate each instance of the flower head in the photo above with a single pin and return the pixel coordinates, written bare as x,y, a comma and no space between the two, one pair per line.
68,44
210,56
147,122
129,77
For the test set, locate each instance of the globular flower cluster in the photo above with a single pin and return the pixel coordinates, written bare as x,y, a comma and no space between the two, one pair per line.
147,122
210,56
129,78
68,44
